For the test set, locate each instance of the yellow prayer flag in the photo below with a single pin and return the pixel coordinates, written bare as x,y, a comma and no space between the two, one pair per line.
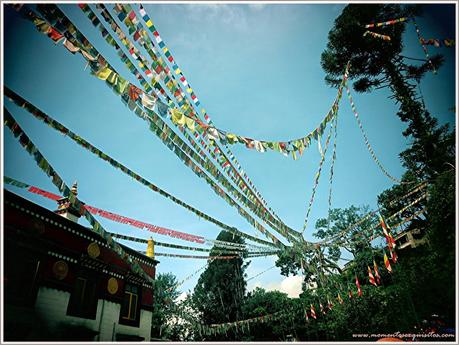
149,23
190,124
103,73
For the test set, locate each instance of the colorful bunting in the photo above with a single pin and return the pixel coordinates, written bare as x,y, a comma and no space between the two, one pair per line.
437,43
30,147
370,149
62,129
164,74
424,48
376,35
389,22
208,166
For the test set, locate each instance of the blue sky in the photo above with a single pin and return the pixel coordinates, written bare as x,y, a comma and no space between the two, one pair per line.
256,69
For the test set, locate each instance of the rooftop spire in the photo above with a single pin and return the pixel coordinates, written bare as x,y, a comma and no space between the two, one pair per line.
65,208
74,189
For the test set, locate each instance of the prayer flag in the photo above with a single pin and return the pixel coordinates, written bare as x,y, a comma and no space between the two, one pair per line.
148,101
393,256
387,263
371,277
70,46
313,312
340,300
378,277
359,291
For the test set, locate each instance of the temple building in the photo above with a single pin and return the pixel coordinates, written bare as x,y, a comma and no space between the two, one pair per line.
410,238
62,282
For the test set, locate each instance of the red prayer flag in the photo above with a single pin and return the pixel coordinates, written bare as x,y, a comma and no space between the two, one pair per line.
378,277
393,256
313,312
359,291
371,277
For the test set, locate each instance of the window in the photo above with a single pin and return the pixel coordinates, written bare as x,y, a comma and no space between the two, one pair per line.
83,300
130,309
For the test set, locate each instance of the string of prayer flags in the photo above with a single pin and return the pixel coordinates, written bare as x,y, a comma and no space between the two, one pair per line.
424,48
437,43
316,180
376,35
44,193
14,182
416,189
332,169
386,23
40,160
369,147
183,256
184,280
85,144
178,118
242,324
215,134
176,246
236,246
163,231
259,274
269,235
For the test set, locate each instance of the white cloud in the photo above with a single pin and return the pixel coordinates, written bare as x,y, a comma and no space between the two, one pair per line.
182,297
290,285
228,14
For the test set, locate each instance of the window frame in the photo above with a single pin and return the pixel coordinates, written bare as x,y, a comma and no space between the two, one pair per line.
84,304
132,318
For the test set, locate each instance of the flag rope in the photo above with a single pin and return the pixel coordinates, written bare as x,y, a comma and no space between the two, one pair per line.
44,165
143,63
82,142
154,228
157,125
369,147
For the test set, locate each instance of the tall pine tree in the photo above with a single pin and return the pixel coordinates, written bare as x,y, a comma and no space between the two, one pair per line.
219,293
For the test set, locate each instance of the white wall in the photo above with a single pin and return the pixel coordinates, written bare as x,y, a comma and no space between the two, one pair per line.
51,305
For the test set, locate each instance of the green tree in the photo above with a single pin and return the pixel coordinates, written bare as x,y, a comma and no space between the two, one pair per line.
164,305
260,303
379,64
219,293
